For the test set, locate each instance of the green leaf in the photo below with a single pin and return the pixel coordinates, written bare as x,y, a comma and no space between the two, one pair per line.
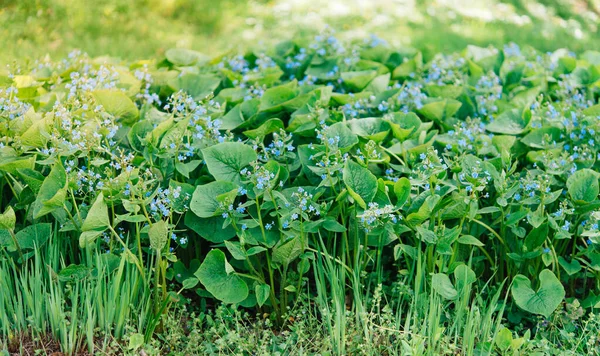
262,293
6,240
504,339
287,252
184,57
536,237
403,124
543,301
357,81
159,235
13,165
88,237
204,201
233,118
440,110
137,136
174,135
136,341
73,273
8,219
186,168
118,104
583,186
97,217
269,126
402,190
572,267
224,285
189,283
424,211
464,275
360,182
440,282
593,110
196,85
542,138
273,98
235,250
509,122
226,160
469,240
211,229
347,139
52,193
408,67
426,235
332,225
371,128
34,236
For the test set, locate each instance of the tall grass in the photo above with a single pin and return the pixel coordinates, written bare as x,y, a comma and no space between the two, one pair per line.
36,301
415,320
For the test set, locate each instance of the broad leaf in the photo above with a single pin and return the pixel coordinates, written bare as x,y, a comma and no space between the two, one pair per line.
220,280
226,160
204,201
159,235
583,186
117,103
34,236
8,219
543,301
440,282
53,192
97,217
360,182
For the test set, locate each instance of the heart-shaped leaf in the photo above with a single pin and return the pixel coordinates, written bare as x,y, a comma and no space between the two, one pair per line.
218,277
583,186
227,159
543,301
361,183
204,201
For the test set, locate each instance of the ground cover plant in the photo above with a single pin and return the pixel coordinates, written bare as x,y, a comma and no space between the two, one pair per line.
322,197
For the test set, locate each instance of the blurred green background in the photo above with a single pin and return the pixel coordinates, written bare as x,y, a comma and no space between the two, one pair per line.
133,29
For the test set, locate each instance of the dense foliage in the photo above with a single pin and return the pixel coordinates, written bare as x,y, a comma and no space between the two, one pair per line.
241,178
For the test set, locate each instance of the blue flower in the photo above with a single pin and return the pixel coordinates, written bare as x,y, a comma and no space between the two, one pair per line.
517,197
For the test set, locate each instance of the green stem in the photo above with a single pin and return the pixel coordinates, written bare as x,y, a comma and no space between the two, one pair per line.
490,230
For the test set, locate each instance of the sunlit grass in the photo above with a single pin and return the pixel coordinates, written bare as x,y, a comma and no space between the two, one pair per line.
136,29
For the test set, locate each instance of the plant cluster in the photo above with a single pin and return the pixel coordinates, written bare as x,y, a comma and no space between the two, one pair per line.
318,168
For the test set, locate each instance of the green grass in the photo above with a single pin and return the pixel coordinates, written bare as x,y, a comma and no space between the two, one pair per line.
135,29
84,311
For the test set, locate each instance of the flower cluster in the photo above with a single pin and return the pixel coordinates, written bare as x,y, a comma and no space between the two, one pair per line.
375,216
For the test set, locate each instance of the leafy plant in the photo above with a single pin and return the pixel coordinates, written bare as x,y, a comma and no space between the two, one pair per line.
227,180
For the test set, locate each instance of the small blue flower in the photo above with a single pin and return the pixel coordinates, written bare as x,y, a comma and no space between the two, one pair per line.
517,197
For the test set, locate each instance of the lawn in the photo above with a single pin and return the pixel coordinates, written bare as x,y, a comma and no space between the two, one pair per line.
299,177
